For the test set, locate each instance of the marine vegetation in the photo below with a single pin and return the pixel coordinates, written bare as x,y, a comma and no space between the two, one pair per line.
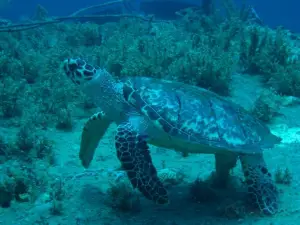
203,49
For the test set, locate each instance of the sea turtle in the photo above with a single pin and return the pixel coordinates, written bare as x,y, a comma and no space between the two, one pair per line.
175,116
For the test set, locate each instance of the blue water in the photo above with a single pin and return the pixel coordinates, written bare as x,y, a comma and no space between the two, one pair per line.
44,117
272,12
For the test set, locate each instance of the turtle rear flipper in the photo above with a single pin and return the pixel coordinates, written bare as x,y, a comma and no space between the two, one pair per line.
93,131
261,188
133,152
224,163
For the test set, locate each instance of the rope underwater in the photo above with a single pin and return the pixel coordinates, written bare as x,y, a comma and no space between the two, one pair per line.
73,16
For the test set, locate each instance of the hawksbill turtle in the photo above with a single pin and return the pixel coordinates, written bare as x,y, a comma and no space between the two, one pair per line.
175,116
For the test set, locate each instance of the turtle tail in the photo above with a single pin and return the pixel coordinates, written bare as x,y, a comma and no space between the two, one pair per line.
270,140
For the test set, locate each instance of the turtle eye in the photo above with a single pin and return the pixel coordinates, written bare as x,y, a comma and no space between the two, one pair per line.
72,66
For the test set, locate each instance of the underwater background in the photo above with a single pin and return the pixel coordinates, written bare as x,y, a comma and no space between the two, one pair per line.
273,12
247,52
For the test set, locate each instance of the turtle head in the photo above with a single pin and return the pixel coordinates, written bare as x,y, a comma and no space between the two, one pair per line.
79,71
95,82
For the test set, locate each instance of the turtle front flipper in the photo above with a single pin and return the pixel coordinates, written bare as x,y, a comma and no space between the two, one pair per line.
261,187
93,131
133,152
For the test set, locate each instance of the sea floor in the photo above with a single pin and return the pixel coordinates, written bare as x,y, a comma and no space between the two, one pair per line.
86,190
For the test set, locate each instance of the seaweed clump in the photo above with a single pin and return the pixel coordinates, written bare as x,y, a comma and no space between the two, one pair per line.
122,198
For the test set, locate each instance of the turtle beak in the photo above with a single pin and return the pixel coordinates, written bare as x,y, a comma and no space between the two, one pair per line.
66,67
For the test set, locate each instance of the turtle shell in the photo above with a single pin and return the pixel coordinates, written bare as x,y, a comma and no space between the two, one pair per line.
197,115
